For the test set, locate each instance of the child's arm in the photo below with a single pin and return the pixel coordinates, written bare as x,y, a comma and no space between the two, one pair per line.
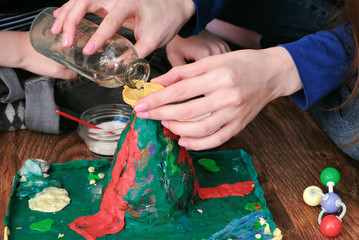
182,50
231,33
17,52
210,41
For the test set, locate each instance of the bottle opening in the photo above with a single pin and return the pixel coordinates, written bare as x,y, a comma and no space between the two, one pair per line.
139,69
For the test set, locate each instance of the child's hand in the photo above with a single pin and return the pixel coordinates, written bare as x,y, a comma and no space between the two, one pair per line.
34,62
182,50
17,52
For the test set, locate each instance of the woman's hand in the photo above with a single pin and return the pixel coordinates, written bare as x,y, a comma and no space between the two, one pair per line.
17,52
182,50
232,87
155,22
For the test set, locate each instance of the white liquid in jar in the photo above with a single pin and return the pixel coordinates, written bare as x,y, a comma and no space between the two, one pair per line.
105,143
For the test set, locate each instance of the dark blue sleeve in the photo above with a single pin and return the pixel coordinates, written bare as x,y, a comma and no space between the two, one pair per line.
206,11
322,60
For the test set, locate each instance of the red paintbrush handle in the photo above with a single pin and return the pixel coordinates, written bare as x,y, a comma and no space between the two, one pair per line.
76,119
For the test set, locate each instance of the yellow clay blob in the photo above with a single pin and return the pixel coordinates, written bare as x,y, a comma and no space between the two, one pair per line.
132,95
6,233
51,199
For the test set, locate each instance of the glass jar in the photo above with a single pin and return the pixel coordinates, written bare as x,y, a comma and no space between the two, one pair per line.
115,64
112,118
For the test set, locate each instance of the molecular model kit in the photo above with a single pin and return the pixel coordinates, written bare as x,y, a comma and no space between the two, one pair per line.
331,203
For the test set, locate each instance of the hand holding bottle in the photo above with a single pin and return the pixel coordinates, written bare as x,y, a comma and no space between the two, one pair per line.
115,64
17,52
155,22
233,87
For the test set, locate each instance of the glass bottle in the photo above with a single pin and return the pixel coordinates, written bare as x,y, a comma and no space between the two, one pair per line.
113,65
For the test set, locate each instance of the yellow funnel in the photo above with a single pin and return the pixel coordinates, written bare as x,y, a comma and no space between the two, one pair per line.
132,95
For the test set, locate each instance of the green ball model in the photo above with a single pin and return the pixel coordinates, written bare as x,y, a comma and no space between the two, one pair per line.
330,175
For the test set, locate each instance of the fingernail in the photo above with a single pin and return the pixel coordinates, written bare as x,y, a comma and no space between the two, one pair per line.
182,143
141,107
89,47
65,39
142,115
164,123
55,26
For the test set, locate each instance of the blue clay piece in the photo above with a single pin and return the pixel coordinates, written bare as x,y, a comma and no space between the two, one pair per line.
35,182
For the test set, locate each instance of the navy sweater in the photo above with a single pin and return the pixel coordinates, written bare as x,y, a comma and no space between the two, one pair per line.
322,59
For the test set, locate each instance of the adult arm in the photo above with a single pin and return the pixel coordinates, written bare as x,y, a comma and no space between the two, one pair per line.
232,87
155,22
322,60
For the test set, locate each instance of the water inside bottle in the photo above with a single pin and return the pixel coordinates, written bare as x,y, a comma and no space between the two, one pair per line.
115,64
100,67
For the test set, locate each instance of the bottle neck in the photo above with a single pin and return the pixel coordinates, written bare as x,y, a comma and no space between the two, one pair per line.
138,69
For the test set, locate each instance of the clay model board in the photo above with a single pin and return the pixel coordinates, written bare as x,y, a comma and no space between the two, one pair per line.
226,201
86,199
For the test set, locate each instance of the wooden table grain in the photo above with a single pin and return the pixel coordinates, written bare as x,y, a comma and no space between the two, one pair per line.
289,152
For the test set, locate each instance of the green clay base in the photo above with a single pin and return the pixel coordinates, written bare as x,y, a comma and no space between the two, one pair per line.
215,218
153,189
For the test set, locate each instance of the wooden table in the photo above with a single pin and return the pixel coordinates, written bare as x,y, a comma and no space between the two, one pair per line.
289,152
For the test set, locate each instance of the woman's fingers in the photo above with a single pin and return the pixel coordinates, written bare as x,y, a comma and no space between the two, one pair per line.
108,27
201,126
179,91
153,21
213,140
